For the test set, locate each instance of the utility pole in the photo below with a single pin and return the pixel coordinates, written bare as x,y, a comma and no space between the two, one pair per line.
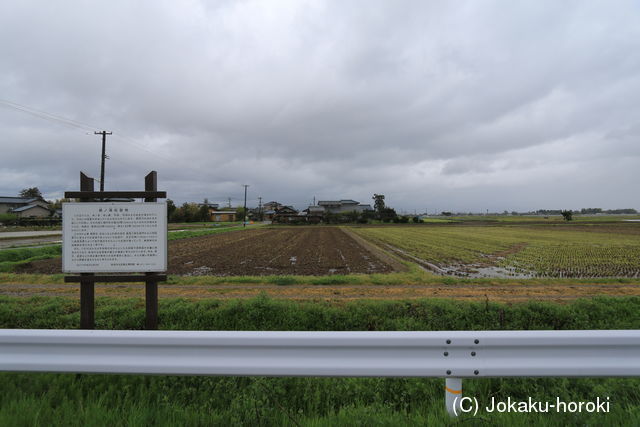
104,134
244,211
260,208
229,200
314,200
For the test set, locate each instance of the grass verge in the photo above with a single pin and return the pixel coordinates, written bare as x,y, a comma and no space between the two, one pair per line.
390,279
78,400
197,233
10,258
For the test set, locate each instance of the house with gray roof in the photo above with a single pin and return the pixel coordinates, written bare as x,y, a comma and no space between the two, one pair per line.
25,207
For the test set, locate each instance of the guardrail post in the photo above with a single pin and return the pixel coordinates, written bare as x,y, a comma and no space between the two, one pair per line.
453,394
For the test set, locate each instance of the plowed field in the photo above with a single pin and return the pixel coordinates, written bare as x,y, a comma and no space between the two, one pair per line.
262,252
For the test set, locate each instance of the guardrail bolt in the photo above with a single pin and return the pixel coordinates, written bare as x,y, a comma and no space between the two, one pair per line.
448,372
473,353
477,341
448,341
476,372
446,353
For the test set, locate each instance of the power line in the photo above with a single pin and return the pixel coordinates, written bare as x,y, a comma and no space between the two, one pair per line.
47,116
74,123
55,118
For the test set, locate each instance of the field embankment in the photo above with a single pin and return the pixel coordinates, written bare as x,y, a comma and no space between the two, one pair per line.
334,288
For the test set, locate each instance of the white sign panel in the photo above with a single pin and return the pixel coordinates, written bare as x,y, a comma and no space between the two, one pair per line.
114,237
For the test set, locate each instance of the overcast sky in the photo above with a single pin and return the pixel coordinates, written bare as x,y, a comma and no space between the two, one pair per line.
438,105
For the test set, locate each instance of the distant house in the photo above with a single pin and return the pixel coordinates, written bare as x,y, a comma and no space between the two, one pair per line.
285,214
31,211
269,210
271,206
314,214
25,207
340,206
223,216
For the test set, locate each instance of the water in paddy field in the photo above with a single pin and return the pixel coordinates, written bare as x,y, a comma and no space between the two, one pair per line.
467,270
476,272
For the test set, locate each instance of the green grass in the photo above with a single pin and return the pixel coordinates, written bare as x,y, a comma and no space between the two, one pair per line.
79,400
11,258
541,218
175,235
414,277
437,221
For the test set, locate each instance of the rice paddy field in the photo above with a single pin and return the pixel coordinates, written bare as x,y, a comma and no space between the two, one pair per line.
555,251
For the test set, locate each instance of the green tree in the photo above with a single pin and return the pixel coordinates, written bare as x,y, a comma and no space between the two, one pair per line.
351,216
378,204
567,215
31,192
388,215
57,204
177,215
204,213
189,212
240,213
171,208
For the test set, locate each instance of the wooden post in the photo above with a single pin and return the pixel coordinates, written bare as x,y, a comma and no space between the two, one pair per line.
87,294
151,286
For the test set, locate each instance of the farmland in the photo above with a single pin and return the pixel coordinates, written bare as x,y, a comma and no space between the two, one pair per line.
261,252
503,262
580,251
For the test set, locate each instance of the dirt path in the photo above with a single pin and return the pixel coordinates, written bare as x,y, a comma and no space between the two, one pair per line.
503,293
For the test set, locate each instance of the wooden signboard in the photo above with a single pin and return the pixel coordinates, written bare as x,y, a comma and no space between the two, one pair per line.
114,237
100,236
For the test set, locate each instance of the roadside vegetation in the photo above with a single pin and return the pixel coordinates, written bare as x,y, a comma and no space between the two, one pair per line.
11,258
185,234
83,399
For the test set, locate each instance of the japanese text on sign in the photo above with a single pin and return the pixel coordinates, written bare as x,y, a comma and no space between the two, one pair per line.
114,237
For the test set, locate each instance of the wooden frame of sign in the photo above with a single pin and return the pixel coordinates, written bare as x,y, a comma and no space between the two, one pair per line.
87,280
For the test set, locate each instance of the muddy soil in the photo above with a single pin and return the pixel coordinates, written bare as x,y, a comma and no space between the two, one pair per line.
261,252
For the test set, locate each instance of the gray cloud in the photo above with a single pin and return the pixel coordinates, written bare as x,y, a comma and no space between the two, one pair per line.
451,106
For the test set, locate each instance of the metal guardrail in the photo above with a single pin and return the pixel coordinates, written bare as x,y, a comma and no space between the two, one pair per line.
443,354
